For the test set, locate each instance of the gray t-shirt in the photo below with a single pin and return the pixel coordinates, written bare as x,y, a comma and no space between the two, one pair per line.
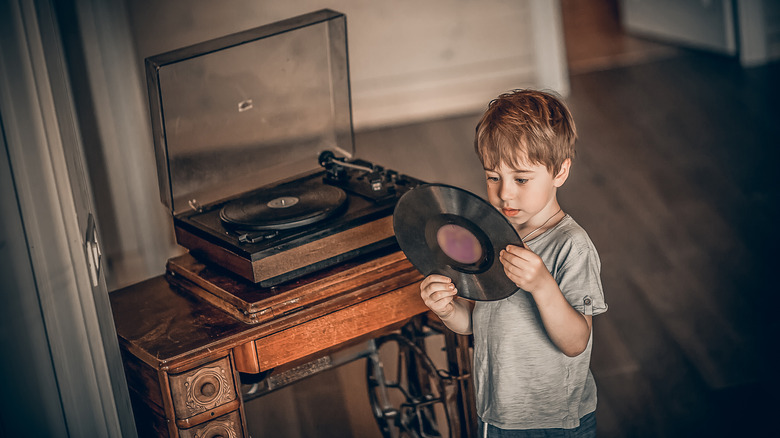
522,380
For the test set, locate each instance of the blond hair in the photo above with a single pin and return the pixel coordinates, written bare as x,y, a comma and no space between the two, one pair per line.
526,126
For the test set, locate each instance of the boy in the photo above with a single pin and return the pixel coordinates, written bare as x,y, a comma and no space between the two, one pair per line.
531,350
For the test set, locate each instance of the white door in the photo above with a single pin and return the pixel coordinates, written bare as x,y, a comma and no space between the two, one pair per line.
700,24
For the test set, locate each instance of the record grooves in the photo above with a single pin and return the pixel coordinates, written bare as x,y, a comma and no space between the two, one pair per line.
283,208
449,231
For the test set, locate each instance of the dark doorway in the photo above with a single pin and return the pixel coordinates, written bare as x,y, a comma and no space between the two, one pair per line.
595,39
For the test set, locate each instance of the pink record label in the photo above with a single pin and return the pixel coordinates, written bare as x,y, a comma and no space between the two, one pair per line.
459,244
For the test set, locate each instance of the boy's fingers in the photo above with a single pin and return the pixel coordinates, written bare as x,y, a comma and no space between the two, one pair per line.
516,250
517,255
440,299
510,269
511,258
445,293
435,278
435,291
439,303
434,287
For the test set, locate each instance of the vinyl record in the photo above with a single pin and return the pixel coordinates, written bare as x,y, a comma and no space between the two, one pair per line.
283,208
449,231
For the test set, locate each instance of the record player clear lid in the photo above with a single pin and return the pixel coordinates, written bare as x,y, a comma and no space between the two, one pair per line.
239,112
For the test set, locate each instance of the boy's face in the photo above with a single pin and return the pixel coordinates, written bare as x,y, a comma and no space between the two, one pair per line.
525,195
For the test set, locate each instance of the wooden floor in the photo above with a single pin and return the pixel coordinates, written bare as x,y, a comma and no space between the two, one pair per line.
676,182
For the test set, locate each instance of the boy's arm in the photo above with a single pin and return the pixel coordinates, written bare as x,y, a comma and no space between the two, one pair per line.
568,329
440,295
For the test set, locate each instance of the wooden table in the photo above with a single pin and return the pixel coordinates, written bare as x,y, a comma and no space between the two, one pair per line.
183,354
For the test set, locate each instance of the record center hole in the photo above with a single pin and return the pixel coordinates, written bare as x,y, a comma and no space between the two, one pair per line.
459,244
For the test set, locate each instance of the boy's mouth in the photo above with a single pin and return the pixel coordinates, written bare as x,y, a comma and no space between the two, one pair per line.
510,212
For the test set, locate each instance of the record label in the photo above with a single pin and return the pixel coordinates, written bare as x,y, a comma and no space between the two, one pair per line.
459,244
446,230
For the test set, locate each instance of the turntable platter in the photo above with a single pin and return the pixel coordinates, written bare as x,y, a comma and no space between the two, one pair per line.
283,208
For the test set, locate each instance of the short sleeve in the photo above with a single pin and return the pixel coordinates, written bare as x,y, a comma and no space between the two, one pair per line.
579,278
571,257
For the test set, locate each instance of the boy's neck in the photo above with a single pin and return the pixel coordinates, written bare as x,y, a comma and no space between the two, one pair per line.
529,232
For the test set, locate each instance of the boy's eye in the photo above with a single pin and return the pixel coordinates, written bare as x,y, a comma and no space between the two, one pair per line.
521,180
492,178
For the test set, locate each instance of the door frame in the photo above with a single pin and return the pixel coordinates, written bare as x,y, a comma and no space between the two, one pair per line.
50,185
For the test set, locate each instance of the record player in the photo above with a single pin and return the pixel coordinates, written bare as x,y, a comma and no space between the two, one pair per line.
255,152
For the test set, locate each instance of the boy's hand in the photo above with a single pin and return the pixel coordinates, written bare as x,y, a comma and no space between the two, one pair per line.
525,268
438,293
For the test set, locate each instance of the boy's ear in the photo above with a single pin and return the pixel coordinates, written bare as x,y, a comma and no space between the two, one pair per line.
563,174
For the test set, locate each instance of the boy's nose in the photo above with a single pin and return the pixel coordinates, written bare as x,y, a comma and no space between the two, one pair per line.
506,191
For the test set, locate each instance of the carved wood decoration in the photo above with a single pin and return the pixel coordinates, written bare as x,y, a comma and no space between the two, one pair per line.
202,389
226,426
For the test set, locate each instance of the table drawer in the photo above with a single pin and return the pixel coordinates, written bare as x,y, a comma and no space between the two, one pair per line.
226,426
202,389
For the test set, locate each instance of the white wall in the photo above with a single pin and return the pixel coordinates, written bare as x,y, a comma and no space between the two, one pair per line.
410,60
